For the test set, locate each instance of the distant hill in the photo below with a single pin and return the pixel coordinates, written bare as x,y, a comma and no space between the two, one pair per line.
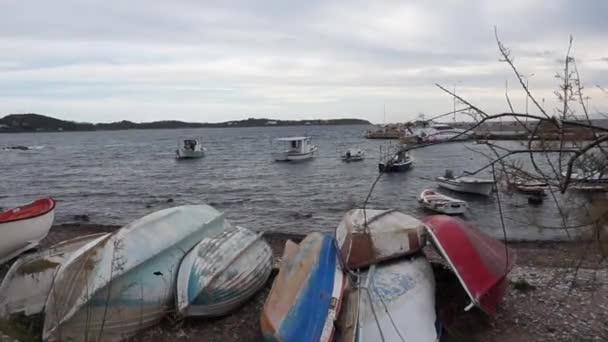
40,123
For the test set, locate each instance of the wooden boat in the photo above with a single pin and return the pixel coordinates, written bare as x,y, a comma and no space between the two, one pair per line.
306,294
393,302
399,162
480,262
115,286
352,155
28,282
222,272
23,227
436,201
189,149
388,234
294,149
472,185
528,186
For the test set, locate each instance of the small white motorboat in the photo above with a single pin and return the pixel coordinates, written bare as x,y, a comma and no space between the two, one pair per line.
468,184
435,201
119,284
23,227
293,149
222,272
353,154
28,282
369,236
190,148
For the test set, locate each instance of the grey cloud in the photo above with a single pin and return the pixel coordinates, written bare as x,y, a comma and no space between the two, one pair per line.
297,55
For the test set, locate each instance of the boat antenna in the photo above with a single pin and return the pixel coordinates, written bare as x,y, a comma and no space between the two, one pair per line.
384,118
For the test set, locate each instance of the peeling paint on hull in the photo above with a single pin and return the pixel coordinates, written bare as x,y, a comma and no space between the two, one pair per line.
388,234
306,294
222,272
112,288
28,282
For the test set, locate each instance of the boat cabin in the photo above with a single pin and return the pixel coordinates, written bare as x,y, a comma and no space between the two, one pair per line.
190,144
296,145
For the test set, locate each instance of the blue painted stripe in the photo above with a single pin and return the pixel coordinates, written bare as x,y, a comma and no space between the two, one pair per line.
305,320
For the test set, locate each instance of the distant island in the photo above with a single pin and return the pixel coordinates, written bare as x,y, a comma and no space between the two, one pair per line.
15,123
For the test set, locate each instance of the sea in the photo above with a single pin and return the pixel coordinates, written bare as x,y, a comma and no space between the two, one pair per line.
115,177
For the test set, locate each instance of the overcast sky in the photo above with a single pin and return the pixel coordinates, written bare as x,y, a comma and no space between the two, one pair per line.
145,60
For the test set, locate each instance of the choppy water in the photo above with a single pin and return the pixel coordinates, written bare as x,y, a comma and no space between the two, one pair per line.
115,177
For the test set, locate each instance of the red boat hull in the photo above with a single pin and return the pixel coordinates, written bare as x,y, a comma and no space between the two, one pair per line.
34,209
480,261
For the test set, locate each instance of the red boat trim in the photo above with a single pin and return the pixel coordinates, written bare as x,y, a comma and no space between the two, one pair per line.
32,216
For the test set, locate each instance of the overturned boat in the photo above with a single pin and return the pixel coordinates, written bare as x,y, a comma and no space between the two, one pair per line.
480,262
439,202
468,184
124,282
394,301
368,236
222,272
28,282
306,294
24,227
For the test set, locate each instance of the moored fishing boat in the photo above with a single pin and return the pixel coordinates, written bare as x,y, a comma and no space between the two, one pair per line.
393,302
294,149
117,285
28,282
468,184
436,201
525,186
222,272
399,162
368,236
23,227
190,149
306,294
480,262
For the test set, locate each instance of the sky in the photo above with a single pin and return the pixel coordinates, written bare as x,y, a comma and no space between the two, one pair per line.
204,61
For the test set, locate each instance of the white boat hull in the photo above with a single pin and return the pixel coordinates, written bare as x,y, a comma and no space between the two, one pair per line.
222,272
28,282
22,235
186,154
441,203
480,188
287,156
397,302
111,288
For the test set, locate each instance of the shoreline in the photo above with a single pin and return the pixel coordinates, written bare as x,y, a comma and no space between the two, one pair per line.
558,291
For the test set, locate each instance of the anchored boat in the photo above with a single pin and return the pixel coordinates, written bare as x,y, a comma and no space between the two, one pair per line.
352,155
368,236
480,262
23,227
293,149
189,149
436,201
117,285
399,162
222,272
306,294
468,184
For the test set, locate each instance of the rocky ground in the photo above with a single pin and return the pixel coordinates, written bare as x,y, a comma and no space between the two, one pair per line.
557,292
